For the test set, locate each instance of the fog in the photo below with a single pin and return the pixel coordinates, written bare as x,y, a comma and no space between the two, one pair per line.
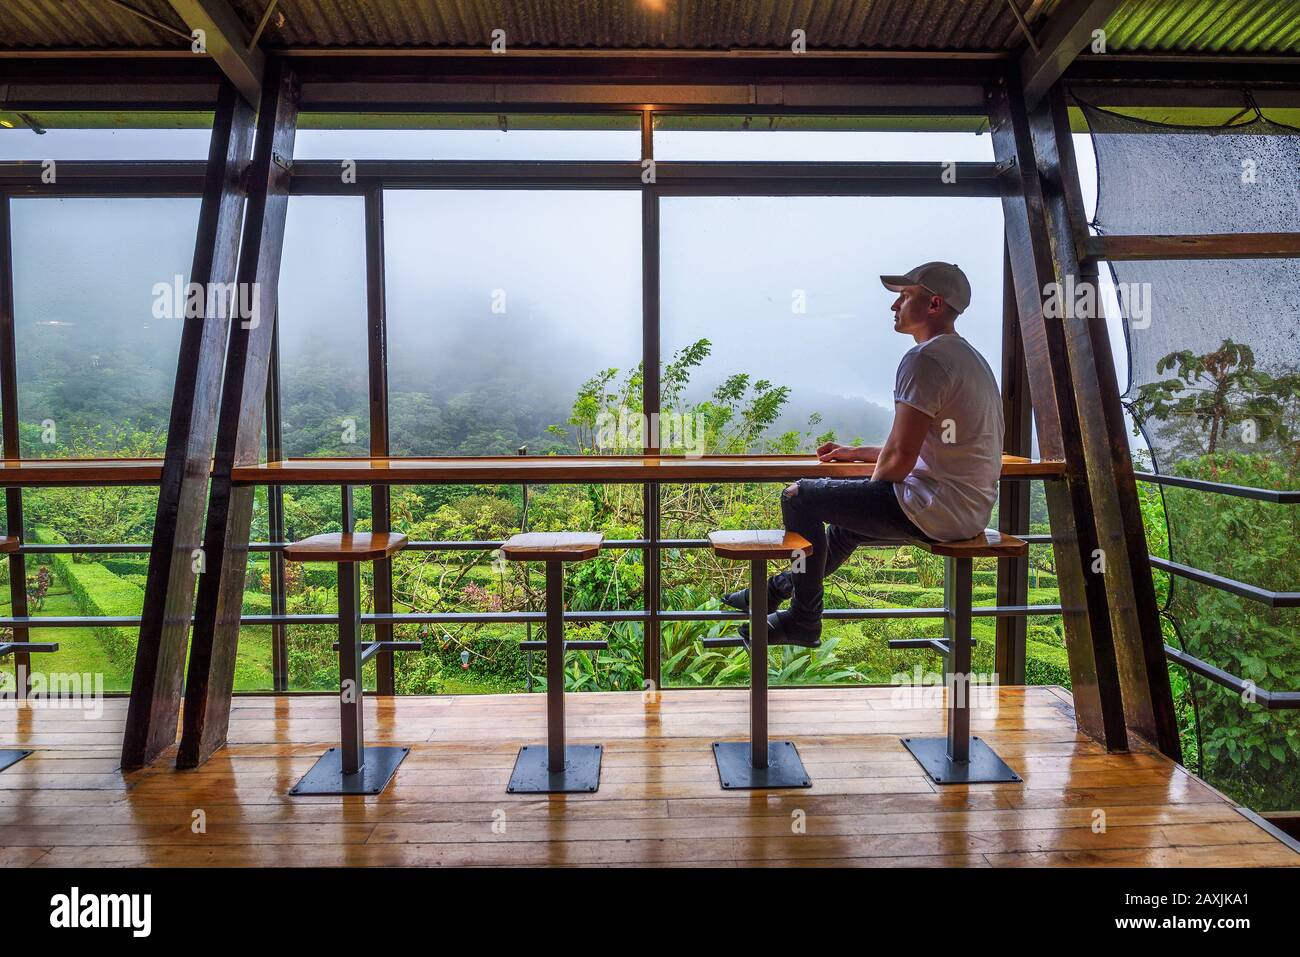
516,297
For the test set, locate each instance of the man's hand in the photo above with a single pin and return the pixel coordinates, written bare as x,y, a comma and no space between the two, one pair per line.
834,452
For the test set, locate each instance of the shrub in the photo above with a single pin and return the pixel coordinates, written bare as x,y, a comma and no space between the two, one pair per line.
1046,664
97,591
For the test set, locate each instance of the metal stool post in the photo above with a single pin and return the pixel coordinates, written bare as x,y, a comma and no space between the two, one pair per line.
958,758
559,767
352,767
758,762
555,742
352,716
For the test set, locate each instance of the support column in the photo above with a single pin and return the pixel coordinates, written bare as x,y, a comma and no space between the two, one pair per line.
377,354
1094,674
210,678
12,450
1121,536
1013,496
182,495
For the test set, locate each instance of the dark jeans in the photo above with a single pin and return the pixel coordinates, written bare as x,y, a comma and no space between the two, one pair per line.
858,511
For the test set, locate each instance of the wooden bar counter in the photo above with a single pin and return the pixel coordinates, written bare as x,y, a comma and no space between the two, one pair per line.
580,469
47,473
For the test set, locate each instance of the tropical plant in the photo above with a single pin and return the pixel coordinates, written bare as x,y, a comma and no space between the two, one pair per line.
1218,390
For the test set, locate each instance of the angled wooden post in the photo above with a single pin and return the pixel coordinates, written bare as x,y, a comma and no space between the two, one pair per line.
211,675
1094,674
1121,537
1013,497
183,494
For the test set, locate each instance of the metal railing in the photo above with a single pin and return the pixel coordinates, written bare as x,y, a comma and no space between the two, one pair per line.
1271,700
652,616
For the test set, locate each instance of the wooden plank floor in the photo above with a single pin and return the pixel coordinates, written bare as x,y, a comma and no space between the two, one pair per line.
659,801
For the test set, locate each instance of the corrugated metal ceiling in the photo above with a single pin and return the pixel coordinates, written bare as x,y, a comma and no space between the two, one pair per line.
1207,26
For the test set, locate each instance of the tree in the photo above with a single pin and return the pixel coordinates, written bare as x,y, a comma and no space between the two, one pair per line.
1221,389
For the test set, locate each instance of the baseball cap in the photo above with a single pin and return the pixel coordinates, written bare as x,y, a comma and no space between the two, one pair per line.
942,279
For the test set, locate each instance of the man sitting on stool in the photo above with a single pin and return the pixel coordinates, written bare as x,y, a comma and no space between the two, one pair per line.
936,476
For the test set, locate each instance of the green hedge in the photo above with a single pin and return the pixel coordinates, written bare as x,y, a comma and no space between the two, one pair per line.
1046,664
131,565
907,576
97,591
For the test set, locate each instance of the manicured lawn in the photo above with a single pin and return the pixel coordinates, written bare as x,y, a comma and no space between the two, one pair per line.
81,653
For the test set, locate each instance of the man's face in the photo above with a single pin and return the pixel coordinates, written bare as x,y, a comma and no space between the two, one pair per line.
913,305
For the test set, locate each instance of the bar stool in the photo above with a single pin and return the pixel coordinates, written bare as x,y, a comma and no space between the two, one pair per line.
957,758
9,757
558,768
351,768
757,763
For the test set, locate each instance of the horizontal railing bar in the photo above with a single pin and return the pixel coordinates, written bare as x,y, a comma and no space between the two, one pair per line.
522,617
44,549
1278,496
185,177
483,545
1274,599
430,545
1271,700
1015,611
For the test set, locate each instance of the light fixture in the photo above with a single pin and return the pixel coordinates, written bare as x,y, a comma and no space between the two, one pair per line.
464,659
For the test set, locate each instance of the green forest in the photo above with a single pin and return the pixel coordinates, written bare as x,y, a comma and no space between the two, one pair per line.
1237,746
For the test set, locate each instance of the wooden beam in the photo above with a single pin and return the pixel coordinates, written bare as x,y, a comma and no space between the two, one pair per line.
380,495
227,42
1201,246
1068,31
211,674
1135,617
12,446
1013,497
1094,675
182,497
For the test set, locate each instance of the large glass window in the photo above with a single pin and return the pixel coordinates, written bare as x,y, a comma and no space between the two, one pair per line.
324,367
470,136
512,315
44,137
817,139
775,324
99,294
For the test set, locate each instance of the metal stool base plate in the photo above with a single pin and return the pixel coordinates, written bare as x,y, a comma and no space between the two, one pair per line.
10,758
983,767
326,775
784,768
581,770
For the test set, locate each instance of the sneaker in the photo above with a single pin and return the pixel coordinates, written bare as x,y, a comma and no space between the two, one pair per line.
783,629
739,600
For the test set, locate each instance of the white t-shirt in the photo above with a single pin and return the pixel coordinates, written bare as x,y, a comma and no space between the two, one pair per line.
949,495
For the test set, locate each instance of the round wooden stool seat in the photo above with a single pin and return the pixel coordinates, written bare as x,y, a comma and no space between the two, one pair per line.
343,547
989,543
751,545
552,546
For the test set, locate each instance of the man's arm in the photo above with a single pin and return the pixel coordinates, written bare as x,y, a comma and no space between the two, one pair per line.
897,457
899,453
834,452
